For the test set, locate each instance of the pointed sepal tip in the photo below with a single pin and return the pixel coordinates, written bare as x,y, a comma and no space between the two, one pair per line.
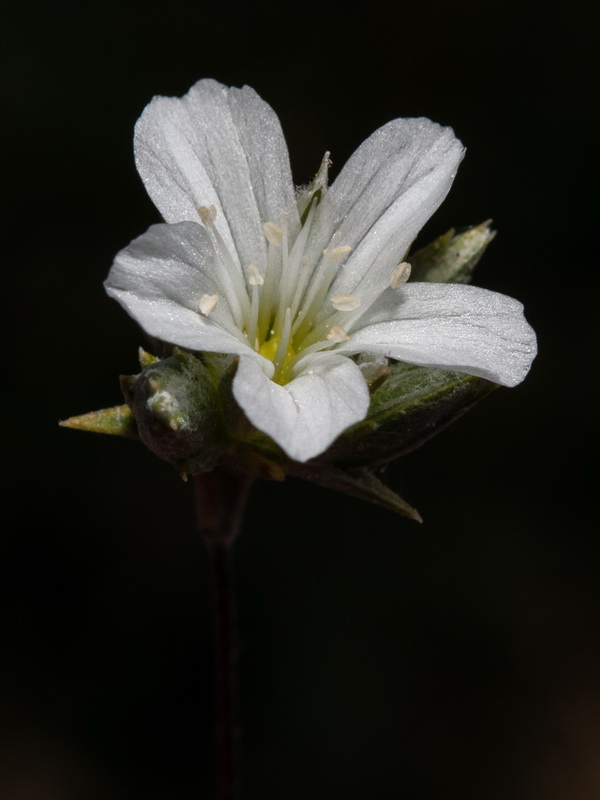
115,421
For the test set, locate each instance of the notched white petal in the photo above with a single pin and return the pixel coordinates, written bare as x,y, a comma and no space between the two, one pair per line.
306,415
450,326
384,194
217,146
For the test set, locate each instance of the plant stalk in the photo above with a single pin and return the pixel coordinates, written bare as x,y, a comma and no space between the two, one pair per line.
220,502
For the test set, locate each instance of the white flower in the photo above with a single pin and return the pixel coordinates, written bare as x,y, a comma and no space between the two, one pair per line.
297,284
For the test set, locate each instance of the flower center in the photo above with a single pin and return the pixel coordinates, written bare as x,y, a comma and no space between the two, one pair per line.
281,310
275,309
269,350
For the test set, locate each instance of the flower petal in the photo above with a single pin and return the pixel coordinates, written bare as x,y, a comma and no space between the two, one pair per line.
384,194
452,326
217,146
160,278
307,414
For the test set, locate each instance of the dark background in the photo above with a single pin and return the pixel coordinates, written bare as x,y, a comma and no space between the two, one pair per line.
458,659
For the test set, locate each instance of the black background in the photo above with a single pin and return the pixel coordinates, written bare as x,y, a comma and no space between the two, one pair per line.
458,659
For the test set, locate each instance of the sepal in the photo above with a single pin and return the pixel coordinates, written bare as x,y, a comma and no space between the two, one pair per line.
358,483
412,405
116,421
146,359
451,258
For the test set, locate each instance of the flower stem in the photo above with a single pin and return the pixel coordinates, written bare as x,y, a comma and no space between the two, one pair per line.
220,501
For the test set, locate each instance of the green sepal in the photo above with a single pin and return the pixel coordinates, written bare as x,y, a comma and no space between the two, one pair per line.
451,258
359,483
116,421
412,405
146,359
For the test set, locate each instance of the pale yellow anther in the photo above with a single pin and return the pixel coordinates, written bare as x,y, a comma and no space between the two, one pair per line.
208,303
254,276
340,252
400,275
345,302
333,245
338,334
208,215
273,233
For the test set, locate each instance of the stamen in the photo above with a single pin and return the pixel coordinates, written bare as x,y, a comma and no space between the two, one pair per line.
231,279
400,275
254,276
284,276
338,334
268,292
369,295
322,279
208,303
299,272
253,320
375,369
273,233
345,302
274,278
208,215
339,252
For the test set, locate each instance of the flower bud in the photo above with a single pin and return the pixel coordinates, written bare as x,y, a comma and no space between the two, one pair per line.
174,402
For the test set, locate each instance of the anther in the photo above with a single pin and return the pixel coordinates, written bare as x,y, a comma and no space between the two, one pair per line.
208,215
400,275
208,303
345,302
254,276
273,233
339,252
338,334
